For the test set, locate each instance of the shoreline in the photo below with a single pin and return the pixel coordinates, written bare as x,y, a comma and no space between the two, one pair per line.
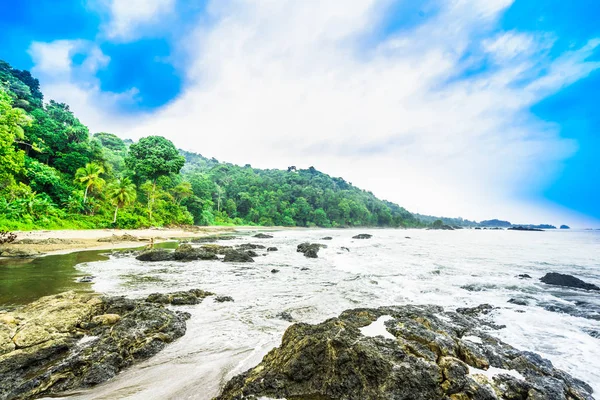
46,242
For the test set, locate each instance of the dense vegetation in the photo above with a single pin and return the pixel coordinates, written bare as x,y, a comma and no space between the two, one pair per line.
54,174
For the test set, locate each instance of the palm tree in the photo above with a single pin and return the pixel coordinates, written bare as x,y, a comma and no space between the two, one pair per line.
90,177
121,193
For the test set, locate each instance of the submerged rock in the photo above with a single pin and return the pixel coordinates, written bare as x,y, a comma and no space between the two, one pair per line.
263,236
554,278
237,256
192,296
72,340
272,249
404,352
362,236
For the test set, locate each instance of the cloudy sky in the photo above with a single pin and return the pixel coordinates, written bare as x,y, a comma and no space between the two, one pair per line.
473,108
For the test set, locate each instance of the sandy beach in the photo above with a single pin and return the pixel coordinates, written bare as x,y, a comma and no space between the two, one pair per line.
45,242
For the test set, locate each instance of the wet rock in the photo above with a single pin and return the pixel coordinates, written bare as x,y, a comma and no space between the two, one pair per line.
304,269
155,255
237,256
434,355
362,236
125,253
482,309
215,248
272,249
249,246
274,271
223,299
554,278
524,276
345,249
327,238
310,250
71,340
86,279
407,237
263,236
286,316
252,253
192,296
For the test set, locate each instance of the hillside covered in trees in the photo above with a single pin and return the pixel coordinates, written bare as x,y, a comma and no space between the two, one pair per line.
55,174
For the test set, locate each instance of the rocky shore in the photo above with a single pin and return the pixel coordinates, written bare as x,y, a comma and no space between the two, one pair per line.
404,352
72,340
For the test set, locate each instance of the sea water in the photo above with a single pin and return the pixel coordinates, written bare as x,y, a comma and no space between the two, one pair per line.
453,269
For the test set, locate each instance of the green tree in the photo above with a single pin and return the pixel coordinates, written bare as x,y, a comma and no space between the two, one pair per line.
121,193
182,191
89,176
12,121
153,157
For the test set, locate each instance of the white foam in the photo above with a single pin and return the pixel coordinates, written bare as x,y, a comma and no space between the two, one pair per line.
473,339
491,372
377,328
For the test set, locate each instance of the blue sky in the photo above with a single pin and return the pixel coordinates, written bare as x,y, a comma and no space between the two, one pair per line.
476,108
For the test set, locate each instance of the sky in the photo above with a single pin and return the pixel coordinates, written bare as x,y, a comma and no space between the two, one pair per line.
473,108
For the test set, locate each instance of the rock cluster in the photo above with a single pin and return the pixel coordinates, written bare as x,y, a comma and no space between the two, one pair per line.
310,250
186,252
421,353
193,296
75,340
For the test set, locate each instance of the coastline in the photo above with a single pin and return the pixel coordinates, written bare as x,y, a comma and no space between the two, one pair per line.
48,242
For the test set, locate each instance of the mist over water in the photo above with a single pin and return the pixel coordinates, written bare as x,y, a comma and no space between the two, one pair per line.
451,269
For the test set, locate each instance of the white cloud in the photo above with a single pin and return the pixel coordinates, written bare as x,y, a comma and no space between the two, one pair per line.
278,83
127,16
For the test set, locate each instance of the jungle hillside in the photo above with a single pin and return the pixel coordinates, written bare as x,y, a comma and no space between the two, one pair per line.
54,174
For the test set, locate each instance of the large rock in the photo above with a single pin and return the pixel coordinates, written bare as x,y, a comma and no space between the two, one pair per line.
193,296
71,340
554,278
310,250
186,252
263,236
362,236
237,256
156,255
422,353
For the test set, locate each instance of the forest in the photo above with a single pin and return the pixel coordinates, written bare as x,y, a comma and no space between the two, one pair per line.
54,174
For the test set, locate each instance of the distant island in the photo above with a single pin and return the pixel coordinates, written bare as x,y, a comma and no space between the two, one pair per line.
459,223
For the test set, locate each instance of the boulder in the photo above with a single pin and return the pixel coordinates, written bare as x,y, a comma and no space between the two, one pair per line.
310,250
524,276
554,278
215,248
237,256
249,246
192,296
403,352
272,249
327,238
274,271
263,236
362,236
71,340
223,299
155,255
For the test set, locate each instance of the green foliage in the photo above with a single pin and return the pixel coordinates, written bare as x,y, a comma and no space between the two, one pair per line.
153,157
53,174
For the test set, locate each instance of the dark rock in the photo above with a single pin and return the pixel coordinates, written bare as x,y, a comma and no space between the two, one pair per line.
407,237
251,253
362,236
223,299
155,255
311,253
186,252
272,249
249,246
286,316
193,296
304,269
345,248
263,236
215,248
524,276
237,256
440,228
274,271
86,279
433,357
554,278
310,250
327,238
51,358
